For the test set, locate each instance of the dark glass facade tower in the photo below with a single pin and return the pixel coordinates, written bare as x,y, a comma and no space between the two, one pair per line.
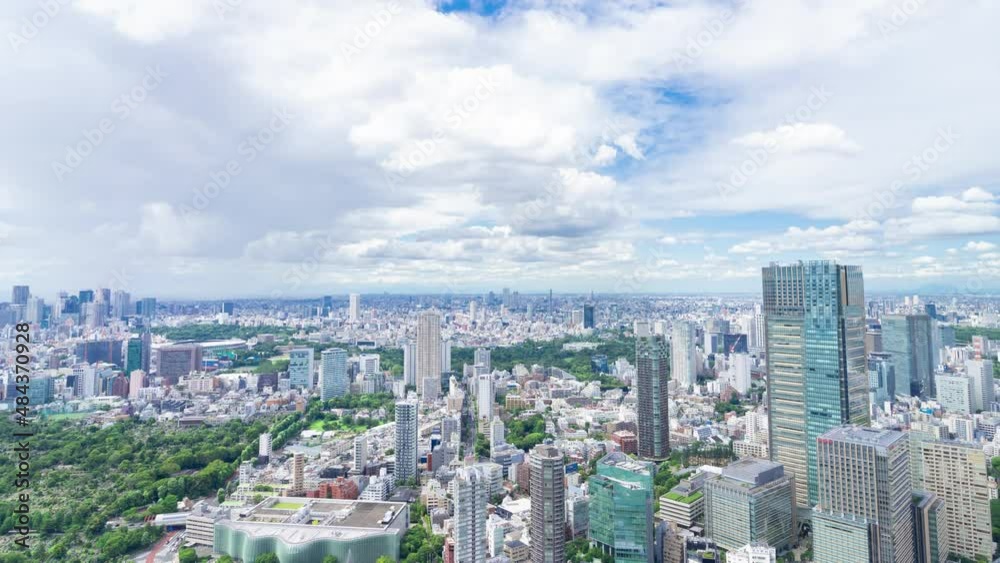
817,375
652,359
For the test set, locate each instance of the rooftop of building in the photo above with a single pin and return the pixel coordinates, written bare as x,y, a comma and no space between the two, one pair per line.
622,461
753,472
863,436
299,520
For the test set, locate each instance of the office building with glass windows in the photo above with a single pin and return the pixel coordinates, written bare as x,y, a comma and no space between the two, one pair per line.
621,508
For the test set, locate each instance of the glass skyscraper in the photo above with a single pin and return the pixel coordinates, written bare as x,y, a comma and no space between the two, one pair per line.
621,508
333,374
817,374
908,339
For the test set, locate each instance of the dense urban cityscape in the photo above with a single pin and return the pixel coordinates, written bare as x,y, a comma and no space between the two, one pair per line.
810,422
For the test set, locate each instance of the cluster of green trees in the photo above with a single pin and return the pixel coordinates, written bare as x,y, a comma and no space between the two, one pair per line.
551,354
482,446
579,550
421,546
664,480
84,476
526,433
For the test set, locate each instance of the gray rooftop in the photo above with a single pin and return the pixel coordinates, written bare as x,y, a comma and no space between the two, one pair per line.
754,472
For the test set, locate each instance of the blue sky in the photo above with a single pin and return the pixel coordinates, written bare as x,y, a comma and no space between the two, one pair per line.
315,146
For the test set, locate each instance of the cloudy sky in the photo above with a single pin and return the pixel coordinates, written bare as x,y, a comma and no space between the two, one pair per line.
210,148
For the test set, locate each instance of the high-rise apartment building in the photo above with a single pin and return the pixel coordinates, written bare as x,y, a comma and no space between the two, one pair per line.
333,378
908,340
864,474
406,441
954,392
957,474
429,364
410,363
485,397
652,378
482,358
354,308
264,448
817,376
621,508
980,373
471,496
298,485
548,505
301,364
753,500
360,453
683,354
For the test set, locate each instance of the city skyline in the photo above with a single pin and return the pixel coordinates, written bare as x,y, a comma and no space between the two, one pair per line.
682,159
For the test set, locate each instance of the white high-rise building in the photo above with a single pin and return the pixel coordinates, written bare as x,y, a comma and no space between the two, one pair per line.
471,498
410,363
739,369
360,453
473,310
981,374
406,441
429,347
264,448
497,433
301,365
954,393
685,363
370,364
957,473
756,329
445,355
333,374
246,472
485,397
354,309
136,381
482,357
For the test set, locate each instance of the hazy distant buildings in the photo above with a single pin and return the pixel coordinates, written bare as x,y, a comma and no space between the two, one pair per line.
652,379
817,374
354,308
19,295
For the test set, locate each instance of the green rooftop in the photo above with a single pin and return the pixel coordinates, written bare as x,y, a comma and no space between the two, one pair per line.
677,497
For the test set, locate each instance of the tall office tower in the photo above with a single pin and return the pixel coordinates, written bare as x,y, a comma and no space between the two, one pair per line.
137,381
739,372
981,373
93,314
652,377
301,364
354,310
228,308
121,304
360,453
138,352
621,508
907,338
506,299
485,397
956,473
752,500
881,378
955,393
588,316
327,305
146,308
576,318
497,433
298,475
817,377
482,357
473,311
864,474
757,330
406,441
86,295
873,341
429,353
683,355
19,295
333,379
34,311
174,362
930,533
548,504
980,345
471,498
264,448
445,355
410,363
